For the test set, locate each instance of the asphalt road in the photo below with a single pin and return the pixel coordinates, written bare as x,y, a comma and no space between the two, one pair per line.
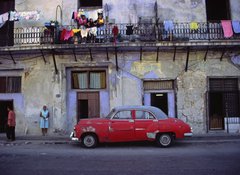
121,159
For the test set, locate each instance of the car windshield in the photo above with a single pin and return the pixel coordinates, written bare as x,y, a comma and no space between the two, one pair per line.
110,114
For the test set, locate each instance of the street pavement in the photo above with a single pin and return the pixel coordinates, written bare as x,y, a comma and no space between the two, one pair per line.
65,139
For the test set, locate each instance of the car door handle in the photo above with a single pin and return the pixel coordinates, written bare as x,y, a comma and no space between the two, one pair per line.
131,121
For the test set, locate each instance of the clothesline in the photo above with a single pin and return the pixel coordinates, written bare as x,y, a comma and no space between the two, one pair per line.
18,16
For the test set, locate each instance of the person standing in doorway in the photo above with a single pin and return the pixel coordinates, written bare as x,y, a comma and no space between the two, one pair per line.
11,124
44,115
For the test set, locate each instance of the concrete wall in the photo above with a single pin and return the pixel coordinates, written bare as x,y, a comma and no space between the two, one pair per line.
129,11
40,85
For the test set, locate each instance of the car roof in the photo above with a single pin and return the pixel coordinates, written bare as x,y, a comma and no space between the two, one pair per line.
156,111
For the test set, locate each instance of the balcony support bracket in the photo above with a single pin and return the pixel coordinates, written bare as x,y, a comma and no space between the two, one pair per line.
10,53
174,55
157,54
74,53
186,67
90,53
116,58
107,54
54,61
223,52
44,59
205,56
141,54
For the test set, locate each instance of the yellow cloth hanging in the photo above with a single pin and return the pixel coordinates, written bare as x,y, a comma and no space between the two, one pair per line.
194,26
76,30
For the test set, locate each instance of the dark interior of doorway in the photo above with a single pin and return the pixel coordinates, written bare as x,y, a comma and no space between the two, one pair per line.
83,109
160,100
6,31
4,114
217,10
216,110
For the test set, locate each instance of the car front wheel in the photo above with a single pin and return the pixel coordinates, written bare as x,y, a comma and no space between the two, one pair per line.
89,141
164,140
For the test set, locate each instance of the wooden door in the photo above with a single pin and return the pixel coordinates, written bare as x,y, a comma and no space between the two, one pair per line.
88,105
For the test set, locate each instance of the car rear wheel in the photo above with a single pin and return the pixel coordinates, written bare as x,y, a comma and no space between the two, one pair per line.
89,141
164,140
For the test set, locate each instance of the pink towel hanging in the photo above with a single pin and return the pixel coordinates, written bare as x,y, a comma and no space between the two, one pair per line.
227,28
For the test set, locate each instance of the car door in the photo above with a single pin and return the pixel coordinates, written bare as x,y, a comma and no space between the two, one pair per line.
121,127
145,123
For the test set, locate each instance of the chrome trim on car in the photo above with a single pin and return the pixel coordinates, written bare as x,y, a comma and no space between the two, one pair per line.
189,134
72,137
140,129
151,135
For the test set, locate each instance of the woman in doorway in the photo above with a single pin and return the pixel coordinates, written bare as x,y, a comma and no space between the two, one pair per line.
44,115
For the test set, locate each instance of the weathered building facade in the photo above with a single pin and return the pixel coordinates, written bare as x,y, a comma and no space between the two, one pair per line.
191,73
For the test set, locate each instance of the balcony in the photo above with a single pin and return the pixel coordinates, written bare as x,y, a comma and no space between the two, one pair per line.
207,34
127,33
130,37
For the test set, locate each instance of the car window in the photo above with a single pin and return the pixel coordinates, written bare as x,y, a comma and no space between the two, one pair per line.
144,115
123,115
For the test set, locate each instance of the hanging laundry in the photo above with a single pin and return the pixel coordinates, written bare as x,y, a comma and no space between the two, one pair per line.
236,26
62,34
129,30
84,32
194,26
3,19
93,31
14,16
29,15
168,25
76,30
227,28
68,34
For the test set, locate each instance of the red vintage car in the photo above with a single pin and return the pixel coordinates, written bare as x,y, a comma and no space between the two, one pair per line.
131,123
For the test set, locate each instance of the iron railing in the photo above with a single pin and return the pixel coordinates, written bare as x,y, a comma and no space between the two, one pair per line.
126,33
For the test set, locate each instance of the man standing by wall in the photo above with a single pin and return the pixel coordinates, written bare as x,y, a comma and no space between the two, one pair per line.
11,124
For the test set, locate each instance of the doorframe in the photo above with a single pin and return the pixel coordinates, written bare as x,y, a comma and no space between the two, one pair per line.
208,98
173,104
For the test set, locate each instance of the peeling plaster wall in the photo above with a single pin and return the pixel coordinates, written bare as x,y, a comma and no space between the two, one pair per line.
129,12
41,86
235,9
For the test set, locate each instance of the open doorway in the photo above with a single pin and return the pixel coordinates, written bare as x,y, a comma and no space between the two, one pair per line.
4,114
218,10
160,100
216,110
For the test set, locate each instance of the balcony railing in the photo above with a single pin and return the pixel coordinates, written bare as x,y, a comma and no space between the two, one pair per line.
126,33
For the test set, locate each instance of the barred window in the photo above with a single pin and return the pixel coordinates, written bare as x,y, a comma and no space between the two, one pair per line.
89,80
10,84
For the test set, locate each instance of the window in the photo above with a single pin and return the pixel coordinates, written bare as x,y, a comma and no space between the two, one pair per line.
144,115
158,85
123,115
90,3
89,80
217,10
10,84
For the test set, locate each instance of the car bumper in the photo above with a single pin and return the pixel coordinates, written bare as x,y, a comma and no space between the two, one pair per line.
188,134
72,137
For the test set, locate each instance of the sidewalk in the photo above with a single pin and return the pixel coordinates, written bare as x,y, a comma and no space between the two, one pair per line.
64,139
29,139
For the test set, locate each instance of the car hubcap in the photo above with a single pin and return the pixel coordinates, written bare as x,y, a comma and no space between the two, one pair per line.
165,140
89,141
